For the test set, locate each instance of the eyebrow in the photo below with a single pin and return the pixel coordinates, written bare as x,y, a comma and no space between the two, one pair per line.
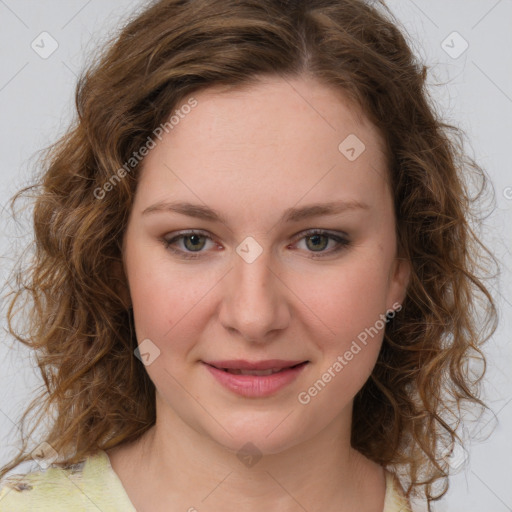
294,214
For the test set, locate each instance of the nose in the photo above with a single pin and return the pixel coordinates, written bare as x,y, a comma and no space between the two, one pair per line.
255,301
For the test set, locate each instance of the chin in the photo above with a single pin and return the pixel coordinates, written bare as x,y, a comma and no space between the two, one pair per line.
263,436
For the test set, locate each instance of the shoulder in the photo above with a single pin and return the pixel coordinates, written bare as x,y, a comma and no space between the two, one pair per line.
38,490
395,499
87,486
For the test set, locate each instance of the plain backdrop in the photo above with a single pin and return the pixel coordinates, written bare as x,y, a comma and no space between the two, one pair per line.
465,43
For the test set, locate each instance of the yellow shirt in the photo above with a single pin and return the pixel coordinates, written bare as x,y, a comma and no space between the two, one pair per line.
93,486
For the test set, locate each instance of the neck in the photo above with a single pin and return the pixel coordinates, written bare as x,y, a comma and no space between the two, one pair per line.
175,465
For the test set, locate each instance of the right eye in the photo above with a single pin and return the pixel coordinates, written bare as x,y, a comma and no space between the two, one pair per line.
193,242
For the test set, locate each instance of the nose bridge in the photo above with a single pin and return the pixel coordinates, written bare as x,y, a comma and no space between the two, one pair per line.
254,303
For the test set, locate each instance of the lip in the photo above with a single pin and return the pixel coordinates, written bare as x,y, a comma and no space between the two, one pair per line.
242,364
257,386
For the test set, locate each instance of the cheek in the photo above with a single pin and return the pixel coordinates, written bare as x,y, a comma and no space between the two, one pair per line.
349,300
165,298
348,309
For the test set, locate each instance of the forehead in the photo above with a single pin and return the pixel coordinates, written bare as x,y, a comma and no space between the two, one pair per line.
278,137
275,104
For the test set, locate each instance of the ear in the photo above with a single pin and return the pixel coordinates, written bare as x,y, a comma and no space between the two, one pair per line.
120,284
399,281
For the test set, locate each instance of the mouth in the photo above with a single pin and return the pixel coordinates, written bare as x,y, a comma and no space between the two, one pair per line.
259,373
255,379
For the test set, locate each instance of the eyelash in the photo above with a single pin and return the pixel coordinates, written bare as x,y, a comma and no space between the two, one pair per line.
343,243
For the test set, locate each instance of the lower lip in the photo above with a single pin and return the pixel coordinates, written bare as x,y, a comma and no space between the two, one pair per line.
256,386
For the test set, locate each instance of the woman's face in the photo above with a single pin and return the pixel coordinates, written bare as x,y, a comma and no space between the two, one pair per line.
251,284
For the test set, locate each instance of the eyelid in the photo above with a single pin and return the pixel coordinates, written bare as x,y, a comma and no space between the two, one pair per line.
320,231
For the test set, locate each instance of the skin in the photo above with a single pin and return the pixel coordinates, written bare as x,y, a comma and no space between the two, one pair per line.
251,153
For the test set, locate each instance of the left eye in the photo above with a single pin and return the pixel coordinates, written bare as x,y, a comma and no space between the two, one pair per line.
194,241
318,240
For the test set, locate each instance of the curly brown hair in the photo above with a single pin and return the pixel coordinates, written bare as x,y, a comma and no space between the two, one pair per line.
73,291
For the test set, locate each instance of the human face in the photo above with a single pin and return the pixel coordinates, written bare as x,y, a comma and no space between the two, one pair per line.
251,154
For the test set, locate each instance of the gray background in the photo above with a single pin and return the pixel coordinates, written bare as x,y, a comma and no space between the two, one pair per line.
36,104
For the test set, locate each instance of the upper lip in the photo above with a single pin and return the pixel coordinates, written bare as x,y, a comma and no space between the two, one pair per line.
241,364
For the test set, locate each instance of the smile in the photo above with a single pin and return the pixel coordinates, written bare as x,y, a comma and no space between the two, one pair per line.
256,383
